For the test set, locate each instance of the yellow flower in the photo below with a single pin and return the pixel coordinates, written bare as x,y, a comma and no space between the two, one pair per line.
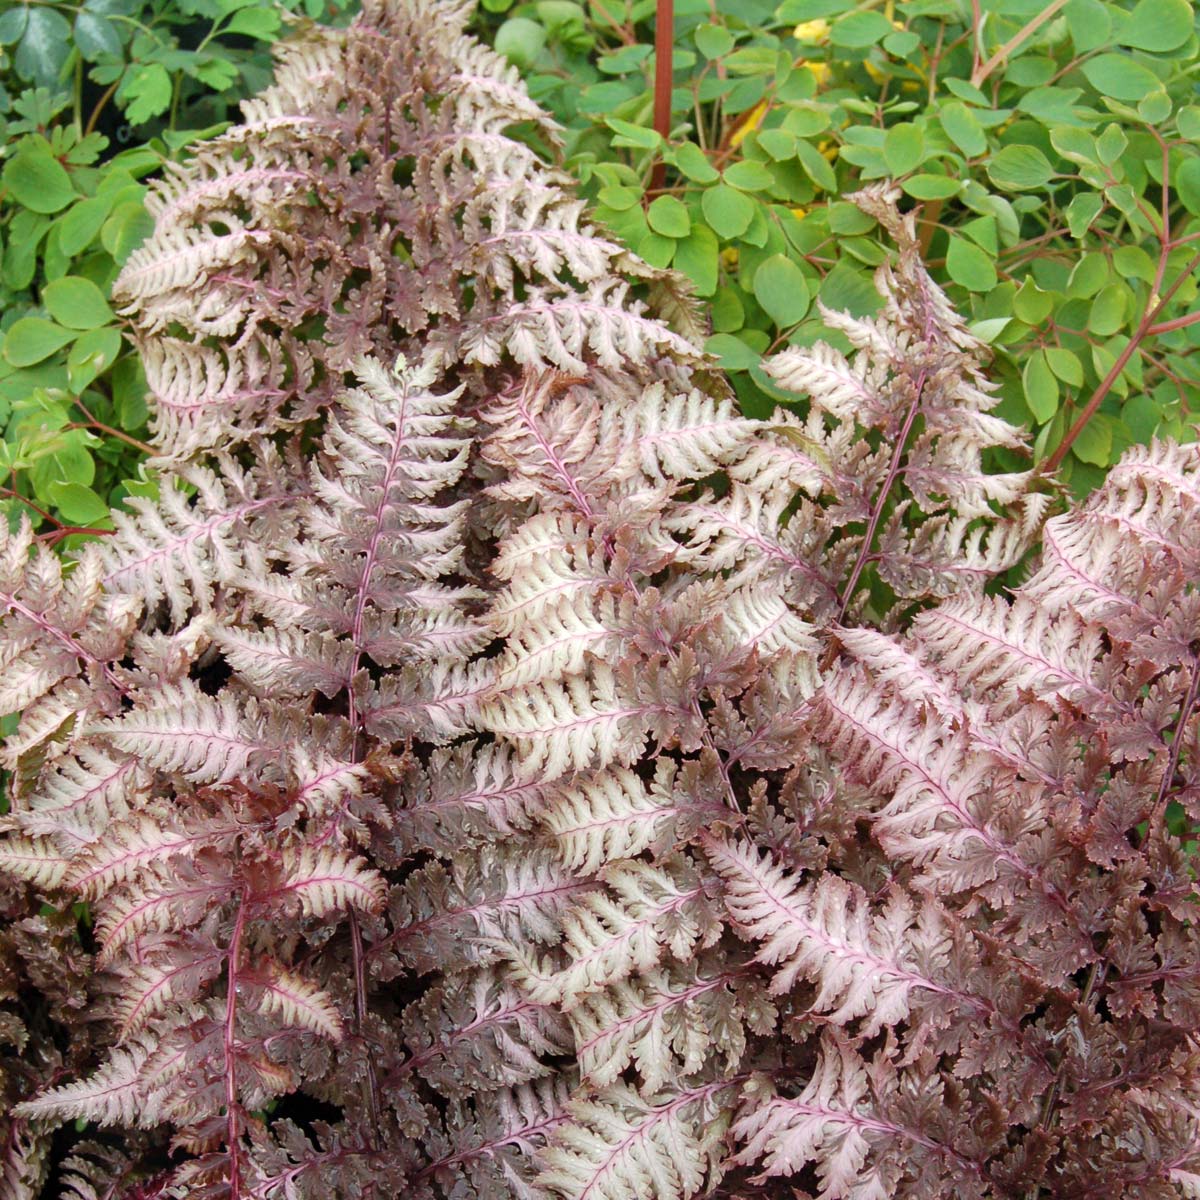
828,150
812,31
729,256
820,72
874,72
799,212
750,124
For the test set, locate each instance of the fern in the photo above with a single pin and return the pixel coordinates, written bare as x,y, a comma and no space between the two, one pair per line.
571,786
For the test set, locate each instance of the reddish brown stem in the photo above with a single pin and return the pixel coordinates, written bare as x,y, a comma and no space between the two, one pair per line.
1146,324
664,50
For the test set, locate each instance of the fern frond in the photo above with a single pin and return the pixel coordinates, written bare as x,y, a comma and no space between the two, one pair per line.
862,962
620,1145
294,1000
205,739
114,1095
326,880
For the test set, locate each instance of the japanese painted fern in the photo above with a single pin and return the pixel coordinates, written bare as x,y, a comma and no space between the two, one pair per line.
494,768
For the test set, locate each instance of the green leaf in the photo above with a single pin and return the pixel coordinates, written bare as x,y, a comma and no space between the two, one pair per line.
78,504
656,249
903,148
713,40
1188,122
782,290
693,162
857,30
1031,304
1158,26
32,339
1088,276
1081,212
261,23
931,187
126,228
728,314
1118,76
67,460
970,266
749,176
520,40
12,24
816,167
76,303
963,129
1089,23
1111,144
36,179
80,224
96,35
697,257
93,353
734,354
1187,184
145,92
669,216
778,143
1108,310
1066,365
1020,168
44,47
1093,443
1041,388
727,210
629,134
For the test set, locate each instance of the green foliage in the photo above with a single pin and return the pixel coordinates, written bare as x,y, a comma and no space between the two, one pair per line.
75,79
1051,151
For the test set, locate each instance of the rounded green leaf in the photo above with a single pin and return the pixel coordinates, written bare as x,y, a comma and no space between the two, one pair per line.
32,339
44,46
37,180
734,354
669,216
1093,443
1187,184
1020,168
1158,25
76,303
858,30
693,162
782,290
713,40
96,35
1031,304
126,228
1041,388
78,504
696,256
749,176
963,129
903,148
931,187
1081,212
656,249
1188,121
1066,365
1118,76
92,353
1108,310
520,40
727,210
80,224
970,266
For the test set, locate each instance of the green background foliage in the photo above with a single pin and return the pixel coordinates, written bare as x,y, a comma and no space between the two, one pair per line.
1058,195
95,98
